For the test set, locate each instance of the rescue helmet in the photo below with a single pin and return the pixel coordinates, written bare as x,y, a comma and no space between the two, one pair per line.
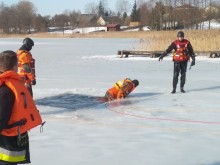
28,43
180,34
135,82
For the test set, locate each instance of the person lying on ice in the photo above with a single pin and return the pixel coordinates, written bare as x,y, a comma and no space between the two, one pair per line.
121,89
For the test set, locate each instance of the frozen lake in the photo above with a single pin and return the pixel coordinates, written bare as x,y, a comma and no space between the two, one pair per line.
150,127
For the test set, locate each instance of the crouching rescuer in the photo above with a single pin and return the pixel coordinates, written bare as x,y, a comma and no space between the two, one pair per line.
121,89
18,113
181,56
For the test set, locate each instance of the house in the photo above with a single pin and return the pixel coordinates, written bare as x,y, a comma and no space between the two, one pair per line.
113,27
103,21
134,24
87,20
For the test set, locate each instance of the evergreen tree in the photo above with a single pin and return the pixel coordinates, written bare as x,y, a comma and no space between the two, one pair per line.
134,13
101,10
124,17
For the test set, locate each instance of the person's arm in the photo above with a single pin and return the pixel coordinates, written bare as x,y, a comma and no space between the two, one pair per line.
190,49
168,50
27,68
191,53
7,99
26,60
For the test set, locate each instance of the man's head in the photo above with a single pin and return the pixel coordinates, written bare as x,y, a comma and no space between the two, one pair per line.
135,82
180,35
8,61
28,43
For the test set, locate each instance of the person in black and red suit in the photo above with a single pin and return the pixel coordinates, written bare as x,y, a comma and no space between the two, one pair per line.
183,52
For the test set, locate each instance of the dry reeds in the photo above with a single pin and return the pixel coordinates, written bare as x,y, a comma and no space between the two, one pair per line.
201,40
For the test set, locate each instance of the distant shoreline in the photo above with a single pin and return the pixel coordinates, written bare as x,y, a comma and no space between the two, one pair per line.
201,40
119,34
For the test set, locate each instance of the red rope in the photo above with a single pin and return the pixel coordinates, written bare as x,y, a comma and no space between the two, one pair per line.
165,119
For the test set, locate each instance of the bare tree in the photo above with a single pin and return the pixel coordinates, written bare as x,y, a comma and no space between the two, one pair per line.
73,18
157,16
105,5
60,20
212,11
122,6
91,8
5,18
41,23
144,13
25,12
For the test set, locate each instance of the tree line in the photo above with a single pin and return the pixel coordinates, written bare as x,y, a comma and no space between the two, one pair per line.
156,14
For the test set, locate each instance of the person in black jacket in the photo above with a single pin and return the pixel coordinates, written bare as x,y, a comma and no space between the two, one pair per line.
183,52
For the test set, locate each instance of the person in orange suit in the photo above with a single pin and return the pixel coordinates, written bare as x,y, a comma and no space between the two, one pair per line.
121,89
26,64
18,113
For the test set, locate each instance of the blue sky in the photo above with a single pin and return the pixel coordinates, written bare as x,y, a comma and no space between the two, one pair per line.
52,7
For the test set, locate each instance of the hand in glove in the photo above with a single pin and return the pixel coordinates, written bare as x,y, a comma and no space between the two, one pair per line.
193,60
161,57
193,63
33,82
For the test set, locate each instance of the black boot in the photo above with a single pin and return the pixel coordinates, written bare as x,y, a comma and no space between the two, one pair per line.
182,90
173,91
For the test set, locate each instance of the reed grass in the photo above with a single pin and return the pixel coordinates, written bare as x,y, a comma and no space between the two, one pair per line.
201,40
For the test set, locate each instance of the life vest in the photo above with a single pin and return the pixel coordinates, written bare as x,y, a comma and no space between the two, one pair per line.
119,84
25,57
181,53
25,115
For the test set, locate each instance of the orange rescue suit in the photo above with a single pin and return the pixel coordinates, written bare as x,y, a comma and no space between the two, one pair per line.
181,53
120,90
25,57
25,115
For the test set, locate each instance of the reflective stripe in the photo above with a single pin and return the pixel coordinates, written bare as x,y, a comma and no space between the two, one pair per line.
12,156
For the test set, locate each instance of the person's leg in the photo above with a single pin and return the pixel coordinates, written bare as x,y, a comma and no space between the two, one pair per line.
108,96
176,71
6,163
30,90
183,69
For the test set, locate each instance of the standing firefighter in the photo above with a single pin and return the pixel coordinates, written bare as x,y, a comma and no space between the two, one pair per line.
26,64
18,113
121,89
181,56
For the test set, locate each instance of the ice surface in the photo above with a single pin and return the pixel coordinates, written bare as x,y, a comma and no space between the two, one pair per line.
150,127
